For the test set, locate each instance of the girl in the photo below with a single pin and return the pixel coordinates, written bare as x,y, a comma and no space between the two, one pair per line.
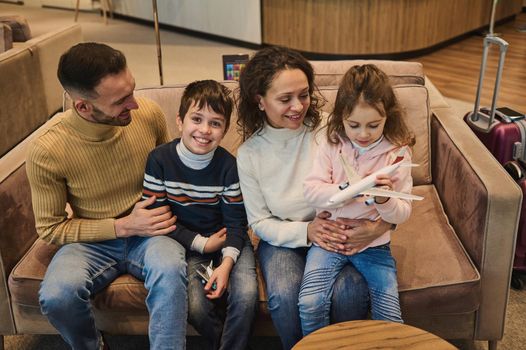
368,130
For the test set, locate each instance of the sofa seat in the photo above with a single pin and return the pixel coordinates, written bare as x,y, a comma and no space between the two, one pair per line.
437,287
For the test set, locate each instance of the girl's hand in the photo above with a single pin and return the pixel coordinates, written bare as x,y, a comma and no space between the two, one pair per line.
220,277
360,233
326,233
215,241
383,181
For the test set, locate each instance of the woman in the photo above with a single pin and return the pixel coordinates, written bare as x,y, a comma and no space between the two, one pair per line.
278,115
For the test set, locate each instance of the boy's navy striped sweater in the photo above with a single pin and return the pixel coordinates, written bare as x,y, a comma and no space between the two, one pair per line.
204,200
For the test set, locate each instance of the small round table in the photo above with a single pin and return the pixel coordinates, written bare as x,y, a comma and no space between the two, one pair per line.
369,334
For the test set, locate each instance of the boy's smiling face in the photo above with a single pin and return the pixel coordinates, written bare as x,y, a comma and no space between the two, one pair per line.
201,129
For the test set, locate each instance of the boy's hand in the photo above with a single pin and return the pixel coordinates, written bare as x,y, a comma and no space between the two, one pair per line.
146,222
383,181
215,241
220,276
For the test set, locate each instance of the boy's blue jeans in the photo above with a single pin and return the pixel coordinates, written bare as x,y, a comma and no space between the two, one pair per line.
79,270
376,265
224,329
283,269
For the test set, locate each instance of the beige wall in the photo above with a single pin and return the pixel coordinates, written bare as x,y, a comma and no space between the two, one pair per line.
235,19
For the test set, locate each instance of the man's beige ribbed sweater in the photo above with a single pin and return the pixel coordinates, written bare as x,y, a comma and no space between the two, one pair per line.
97,169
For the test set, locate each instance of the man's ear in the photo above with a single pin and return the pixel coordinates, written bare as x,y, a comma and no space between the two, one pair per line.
82,106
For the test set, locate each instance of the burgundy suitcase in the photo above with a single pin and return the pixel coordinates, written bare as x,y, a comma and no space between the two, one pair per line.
503,132
517,169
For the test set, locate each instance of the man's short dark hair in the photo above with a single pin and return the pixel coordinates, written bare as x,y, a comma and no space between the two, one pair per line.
84,65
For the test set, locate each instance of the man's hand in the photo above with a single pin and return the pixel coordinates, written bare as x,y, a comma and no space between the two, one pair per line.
215,241
360,233
220,276
146,222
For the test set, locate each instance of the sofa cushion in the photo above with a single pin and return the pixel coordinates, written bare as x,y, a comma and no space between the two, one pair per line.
6,37
19,26
415,101
328,73
435,273
437,277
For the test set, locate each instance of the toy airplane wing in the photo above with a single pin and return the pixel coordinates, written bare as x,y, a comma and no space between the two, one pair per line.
352,177
206,271
381,192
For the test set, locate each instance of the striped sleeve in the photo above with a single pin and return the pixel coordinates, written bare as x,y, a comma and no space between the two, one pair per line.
154,184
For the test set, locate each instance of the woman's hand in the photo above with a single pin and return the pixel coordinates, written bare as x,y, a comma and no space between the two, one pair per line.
326,233
360,233
220,277
383,181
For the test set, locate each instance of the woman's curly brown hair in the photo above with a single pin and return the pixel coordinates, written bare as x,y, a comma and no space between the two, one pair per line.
256,78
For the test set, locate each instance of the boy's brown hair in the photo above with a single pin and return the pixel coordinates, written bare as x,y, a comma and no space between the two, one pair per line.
208,93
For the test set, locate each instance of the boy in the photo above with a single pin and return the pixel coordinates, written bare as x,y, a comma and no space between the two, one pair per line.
199,180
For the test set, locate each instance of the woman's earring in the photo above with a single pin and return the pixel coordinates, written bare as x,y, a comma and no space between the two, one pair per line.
261,108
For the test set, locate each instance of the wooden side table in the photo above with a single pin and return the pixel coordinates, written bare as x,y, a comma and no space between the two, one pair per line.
369,334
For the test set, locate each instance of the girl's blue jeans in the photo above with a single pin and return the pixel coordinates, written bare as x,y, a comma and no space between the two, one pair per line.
282,270
79,270
224,326
376,265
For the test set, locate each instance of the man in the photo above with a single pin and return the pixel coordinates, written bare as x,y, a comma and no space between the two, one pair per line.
94,159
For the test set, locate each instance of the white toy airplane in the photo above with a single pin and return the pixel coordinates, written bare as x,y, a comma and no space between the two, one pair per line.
206,272
358,186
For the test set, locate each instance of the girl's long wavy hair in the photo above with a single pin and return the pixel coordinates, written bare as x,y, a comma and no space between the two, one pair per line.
369,84
256,79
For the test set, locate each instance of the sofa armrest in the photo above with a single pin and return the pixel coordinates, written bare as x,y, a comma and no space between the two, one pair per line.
483,205
17,223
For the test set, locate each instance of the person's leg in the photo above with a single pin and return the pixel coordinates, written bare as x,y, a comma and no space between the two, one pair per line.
160,262
379,270
282,270
321,269
241,302
202,312
350,296
76,272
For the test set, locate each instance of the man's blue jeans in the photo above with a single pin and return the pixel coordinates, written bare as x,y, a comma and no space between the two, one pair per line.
79,270
376,265
230,331
283,268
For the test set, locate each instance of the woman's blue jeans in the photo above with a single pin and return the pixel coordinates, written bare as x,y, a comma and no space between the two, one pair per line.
228,330
376,265
283,269
79,270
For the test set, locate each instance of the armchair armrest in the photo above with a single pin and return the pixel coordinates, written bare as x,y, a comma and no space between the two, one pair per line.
483,205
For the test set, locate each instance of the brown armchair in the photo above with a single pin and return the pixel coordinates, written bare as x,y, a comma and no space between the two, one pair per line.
454,255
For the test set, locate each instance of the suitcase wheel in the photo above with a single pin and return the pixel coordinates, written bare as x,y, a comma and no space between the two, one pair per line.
517,280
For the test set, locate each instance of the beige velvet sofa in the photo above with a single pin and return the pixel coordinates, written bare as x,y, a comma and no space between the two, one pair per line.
31,92
454,254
